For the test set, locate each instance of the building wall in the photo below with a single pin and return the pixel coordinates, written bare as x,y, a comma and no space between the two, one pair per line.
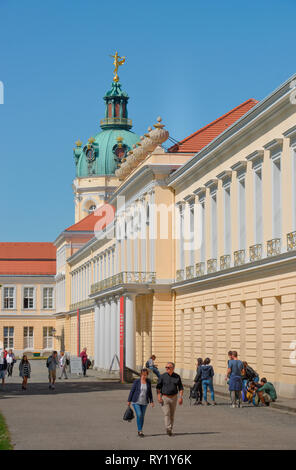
19,324
256,318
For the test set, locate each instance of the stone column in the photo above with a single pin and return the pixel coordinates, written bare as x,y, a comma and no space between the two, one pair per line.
97,336
130,331
101,335
107,335
113,330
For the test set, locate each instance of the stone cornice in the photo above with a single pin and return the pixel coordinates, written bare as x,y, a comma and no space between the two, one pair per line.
273,144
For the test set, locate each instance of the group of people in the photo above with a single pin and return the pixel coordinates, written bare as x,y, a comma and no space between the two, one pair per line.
242,379
53,362
240,376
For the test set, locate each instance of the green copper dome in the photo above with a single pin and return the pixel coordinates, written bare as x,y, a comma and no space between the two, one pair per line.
104,152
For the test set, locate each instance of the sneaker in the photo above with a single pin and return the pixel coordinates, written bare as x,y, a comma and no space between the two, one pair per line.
214,403
49,386
207,403
140,434
232,406
169,432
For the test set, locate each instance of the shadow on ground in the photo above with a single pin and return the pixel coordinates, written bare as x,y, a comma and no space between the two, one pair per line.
42,388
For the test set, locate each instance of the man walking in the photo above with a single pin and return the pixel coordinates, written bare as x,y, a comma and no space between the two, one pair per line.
168,386
52,364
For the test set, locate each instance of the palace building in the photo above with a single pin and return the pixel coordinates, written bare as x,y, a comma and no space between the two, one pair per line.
186,252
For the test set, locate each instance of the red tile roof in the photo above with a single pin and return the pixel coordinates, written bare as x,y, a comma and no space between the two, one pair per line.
102,215
199,139
27,258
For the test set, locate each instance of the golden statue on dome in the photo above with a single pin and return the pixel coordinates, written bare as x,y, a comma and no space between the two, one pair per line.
117,62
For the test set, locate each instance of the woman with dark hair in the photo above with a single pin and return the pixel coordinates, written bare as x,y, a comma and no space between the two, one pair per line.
198,385
206,374
140,395
25,371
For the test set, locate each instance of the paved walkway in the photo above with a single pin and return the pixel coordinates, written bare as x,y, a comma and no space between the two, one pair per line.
86,413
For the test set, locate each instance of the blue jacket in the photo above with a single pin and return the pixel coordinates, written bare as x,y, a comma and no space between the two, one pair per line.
205,372
135,391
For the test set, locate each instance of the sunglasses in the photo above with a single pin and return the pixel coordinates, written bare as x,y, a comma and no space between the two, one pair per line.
168,367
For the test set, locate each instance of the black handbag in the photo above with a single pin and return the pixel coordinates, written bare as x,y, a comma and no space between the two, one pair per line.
128,415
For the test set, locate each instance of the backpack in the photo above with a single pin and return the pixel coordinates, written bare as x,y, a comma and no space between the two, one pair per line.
48,361
67,362
147,364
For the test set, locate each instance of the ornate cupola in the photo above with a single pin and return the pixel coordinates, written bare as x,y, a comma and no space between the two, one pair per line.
116,116
104,152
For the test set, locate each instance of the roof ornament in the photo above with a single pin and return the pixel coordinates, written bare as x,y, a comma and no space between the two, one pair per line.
118,61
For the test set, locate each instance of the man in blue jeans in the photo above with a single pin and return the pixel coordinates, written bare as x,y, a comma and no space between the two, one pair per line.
206,374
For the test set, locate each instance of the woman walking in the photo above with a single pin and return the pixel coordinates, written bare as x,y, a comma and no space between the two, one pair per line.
140,395
10,358
206,374
25,371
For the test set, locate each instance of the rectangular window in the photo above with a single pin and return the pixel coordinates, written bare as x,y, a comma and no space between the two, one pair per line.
191,223
47,337
294,186
227,221
8,297
202,209
214,225
29,297
181,219
8,336
242,213
276,197
48,297
258,214
28,337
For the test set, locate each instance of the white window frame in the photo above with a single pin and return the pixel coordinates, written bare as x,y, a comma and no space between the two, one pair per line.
258,208
25,338
9,286
49,338
34,298
214,224
276,159
293,156
8,337
53,297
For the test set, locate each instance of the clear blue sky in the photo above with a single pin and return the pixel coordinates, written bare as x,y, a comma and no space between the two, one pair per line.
188,62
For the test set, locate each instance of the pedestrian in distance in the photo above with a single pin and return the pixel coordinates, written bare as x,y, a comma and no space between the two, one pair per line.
206,374
168,386
3,367
234,373
63,365
140,396
197,383
150,364
83,356
52,364
10,358
25,371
